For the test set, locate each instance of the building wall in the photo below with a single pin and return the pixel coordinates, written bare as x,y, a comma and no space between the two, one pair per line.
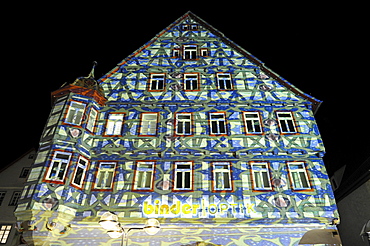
12,179
204,76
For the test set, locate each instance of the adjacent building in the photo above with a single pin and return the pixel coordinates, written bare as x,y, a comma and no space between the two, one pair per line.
190,129
12,179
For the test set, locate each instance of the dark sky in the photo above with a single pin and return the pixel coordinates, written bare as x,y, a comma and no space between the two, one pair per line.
319,49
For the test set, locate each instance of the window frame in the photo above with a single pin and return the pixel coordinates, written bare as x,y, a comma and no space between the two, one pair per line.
184,52
286,124
5,233
247,132
176,53
306,175
204,50
107,122
184,127
84,171
197,79
51,164
267,171
189,27
210,120
151,79
2,196
15,198
182,172
214,177
70,107
145,134
225,83
92,130
97,175
144,170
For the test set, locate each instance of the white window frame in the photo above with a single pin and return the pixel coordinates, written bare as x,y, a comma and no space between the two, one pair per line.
183,176
261,176
252,122
224,81
144,175
298,176
222,180
190,52
191,81
75,113
157,82
105,176
184,124
60,166
81,168
286,122
114,125
91,121
218,125
4,233
148,124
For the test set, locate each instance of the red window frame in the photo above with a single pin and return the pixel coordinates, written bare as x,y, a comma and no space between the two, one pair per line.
254,189
174,189
135,177
84,175
309,180
106,124
231,82
191,125
150,82
210,124
97,172
214,178
198,81
141,124
245,125
50,161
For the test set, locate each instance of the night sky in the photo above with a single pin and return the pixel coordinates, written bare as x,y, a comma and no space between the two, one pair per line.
318,49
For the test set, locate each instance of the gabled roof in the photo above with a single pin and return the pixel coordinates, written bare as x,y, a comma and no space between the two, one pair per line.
189,15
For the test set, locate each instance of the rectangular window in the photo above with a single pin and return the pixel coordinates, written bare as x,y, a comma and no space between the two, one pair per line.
105,176
224,81
217,123
114,124
148,124
15,197
183,176
58,166
298,176
286,122
25,172
157,82
75,113
190,52
4,233
221,176
80,172
144,175
252,122
93,116
260,176
204,52
191,82
175,53
2,196
187,27
183,123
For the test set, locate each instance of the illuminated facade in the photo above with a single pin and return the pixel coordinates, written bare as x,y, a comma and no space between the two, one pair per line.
190,129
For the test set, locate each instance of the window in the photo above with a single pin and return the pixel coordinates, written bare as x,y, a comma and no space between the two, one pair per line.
204,52
144,175
183,175
298,176
175,53
157,82
186,27
286,122
15,198
217,123
183,123
261,176
221,176
224,81
190,52
2,195
25,172
75,113
58,166
148,124
114,124
93,115
105,176
252,122
80,172
4,233
191,82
